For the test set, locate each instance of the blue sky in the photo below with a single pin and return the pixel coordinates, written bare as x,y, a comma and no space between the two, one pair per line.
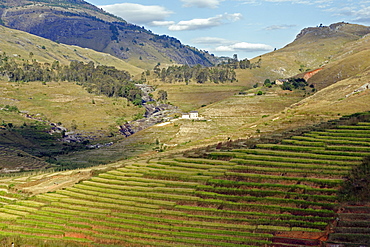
248,28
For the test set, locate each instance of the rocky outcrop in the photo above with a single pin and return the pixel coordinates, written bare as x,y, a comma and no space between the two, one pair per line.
364,87
155,112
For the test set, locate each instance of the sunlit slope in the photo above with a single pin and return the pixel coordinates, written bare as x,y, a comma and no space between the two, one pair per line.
354,63
313,48
27,46
240,197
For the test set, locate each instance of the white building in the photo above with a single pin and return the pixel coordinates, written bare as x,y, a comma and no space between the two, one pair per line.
190,115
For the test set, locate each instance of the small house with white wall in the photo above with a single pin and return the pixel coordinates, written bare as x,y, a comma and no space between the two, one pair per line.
193,115
190,115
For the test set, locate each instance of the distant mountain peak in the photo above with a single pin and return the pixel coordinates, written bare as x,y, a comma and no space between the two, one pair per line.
336,29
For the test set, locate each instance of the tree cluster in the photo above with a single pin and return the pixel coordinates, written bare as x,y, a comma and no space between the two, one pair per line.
196,73
295,83
234,63
99,79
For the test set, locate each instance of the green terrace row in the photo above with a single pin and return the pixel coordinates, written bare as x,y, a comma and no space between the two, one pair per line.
315,155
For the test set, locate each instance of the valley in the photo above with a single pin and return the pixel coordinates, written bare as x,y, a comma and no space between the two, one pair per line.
277,157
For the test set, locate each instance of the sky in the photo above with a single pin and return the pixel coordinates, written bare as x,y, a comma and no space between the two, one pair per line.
248,28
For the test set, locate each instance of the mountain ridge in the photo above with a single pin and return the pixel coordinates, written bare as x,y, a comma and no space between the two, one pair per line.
82,24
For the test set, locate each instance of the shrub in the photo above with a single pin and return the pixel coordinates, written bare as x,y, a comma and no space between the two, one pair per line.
356,188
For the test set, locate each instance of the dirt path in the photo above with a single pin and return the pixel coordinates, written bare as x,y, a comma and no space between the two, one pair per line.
53,183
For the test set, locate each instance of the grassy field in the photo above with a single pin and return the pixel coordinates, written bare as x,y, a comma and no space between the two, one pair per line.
67,103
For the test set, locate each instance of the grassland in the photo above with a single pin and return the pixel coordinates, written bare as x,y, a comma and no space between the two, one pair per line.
67,103
240,197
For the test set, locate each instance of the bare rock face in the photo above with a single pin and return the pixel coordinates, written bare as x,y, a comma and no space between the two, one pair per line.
76,22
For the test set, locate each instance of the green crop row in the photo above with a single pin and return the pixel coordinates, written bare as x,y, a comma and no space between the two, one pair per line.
46,225
300,160
205,161
263,221
185,222
20,208
48,197
132,195
260,207
174,170
329,139
349,148
116,189
289,147
303,143
342,153
192,165
345,142
363,123
159,182
235,199
297,154
284,165
8,216
354,127
21,228
271,203
101,184
29,203
105,203
167,174
66,206
60,219
340,134
124,181
321,181
13,211
68,211
305,188
281,170
263,192
350,131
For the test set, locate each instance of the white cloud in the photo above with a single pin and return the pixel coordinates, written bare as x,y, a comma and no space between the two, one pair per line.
201,3
244,46
359,13
362,15
137,13
162,23
279,27
215,44
205,23
212,41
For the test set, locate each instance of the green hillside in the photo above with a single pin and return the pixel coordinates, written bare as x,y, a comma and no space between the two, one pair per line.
24,46
232,197
313,48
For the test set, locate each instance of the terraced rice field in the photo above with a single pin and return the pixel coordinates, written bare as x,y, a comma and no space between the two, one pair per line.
242,197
